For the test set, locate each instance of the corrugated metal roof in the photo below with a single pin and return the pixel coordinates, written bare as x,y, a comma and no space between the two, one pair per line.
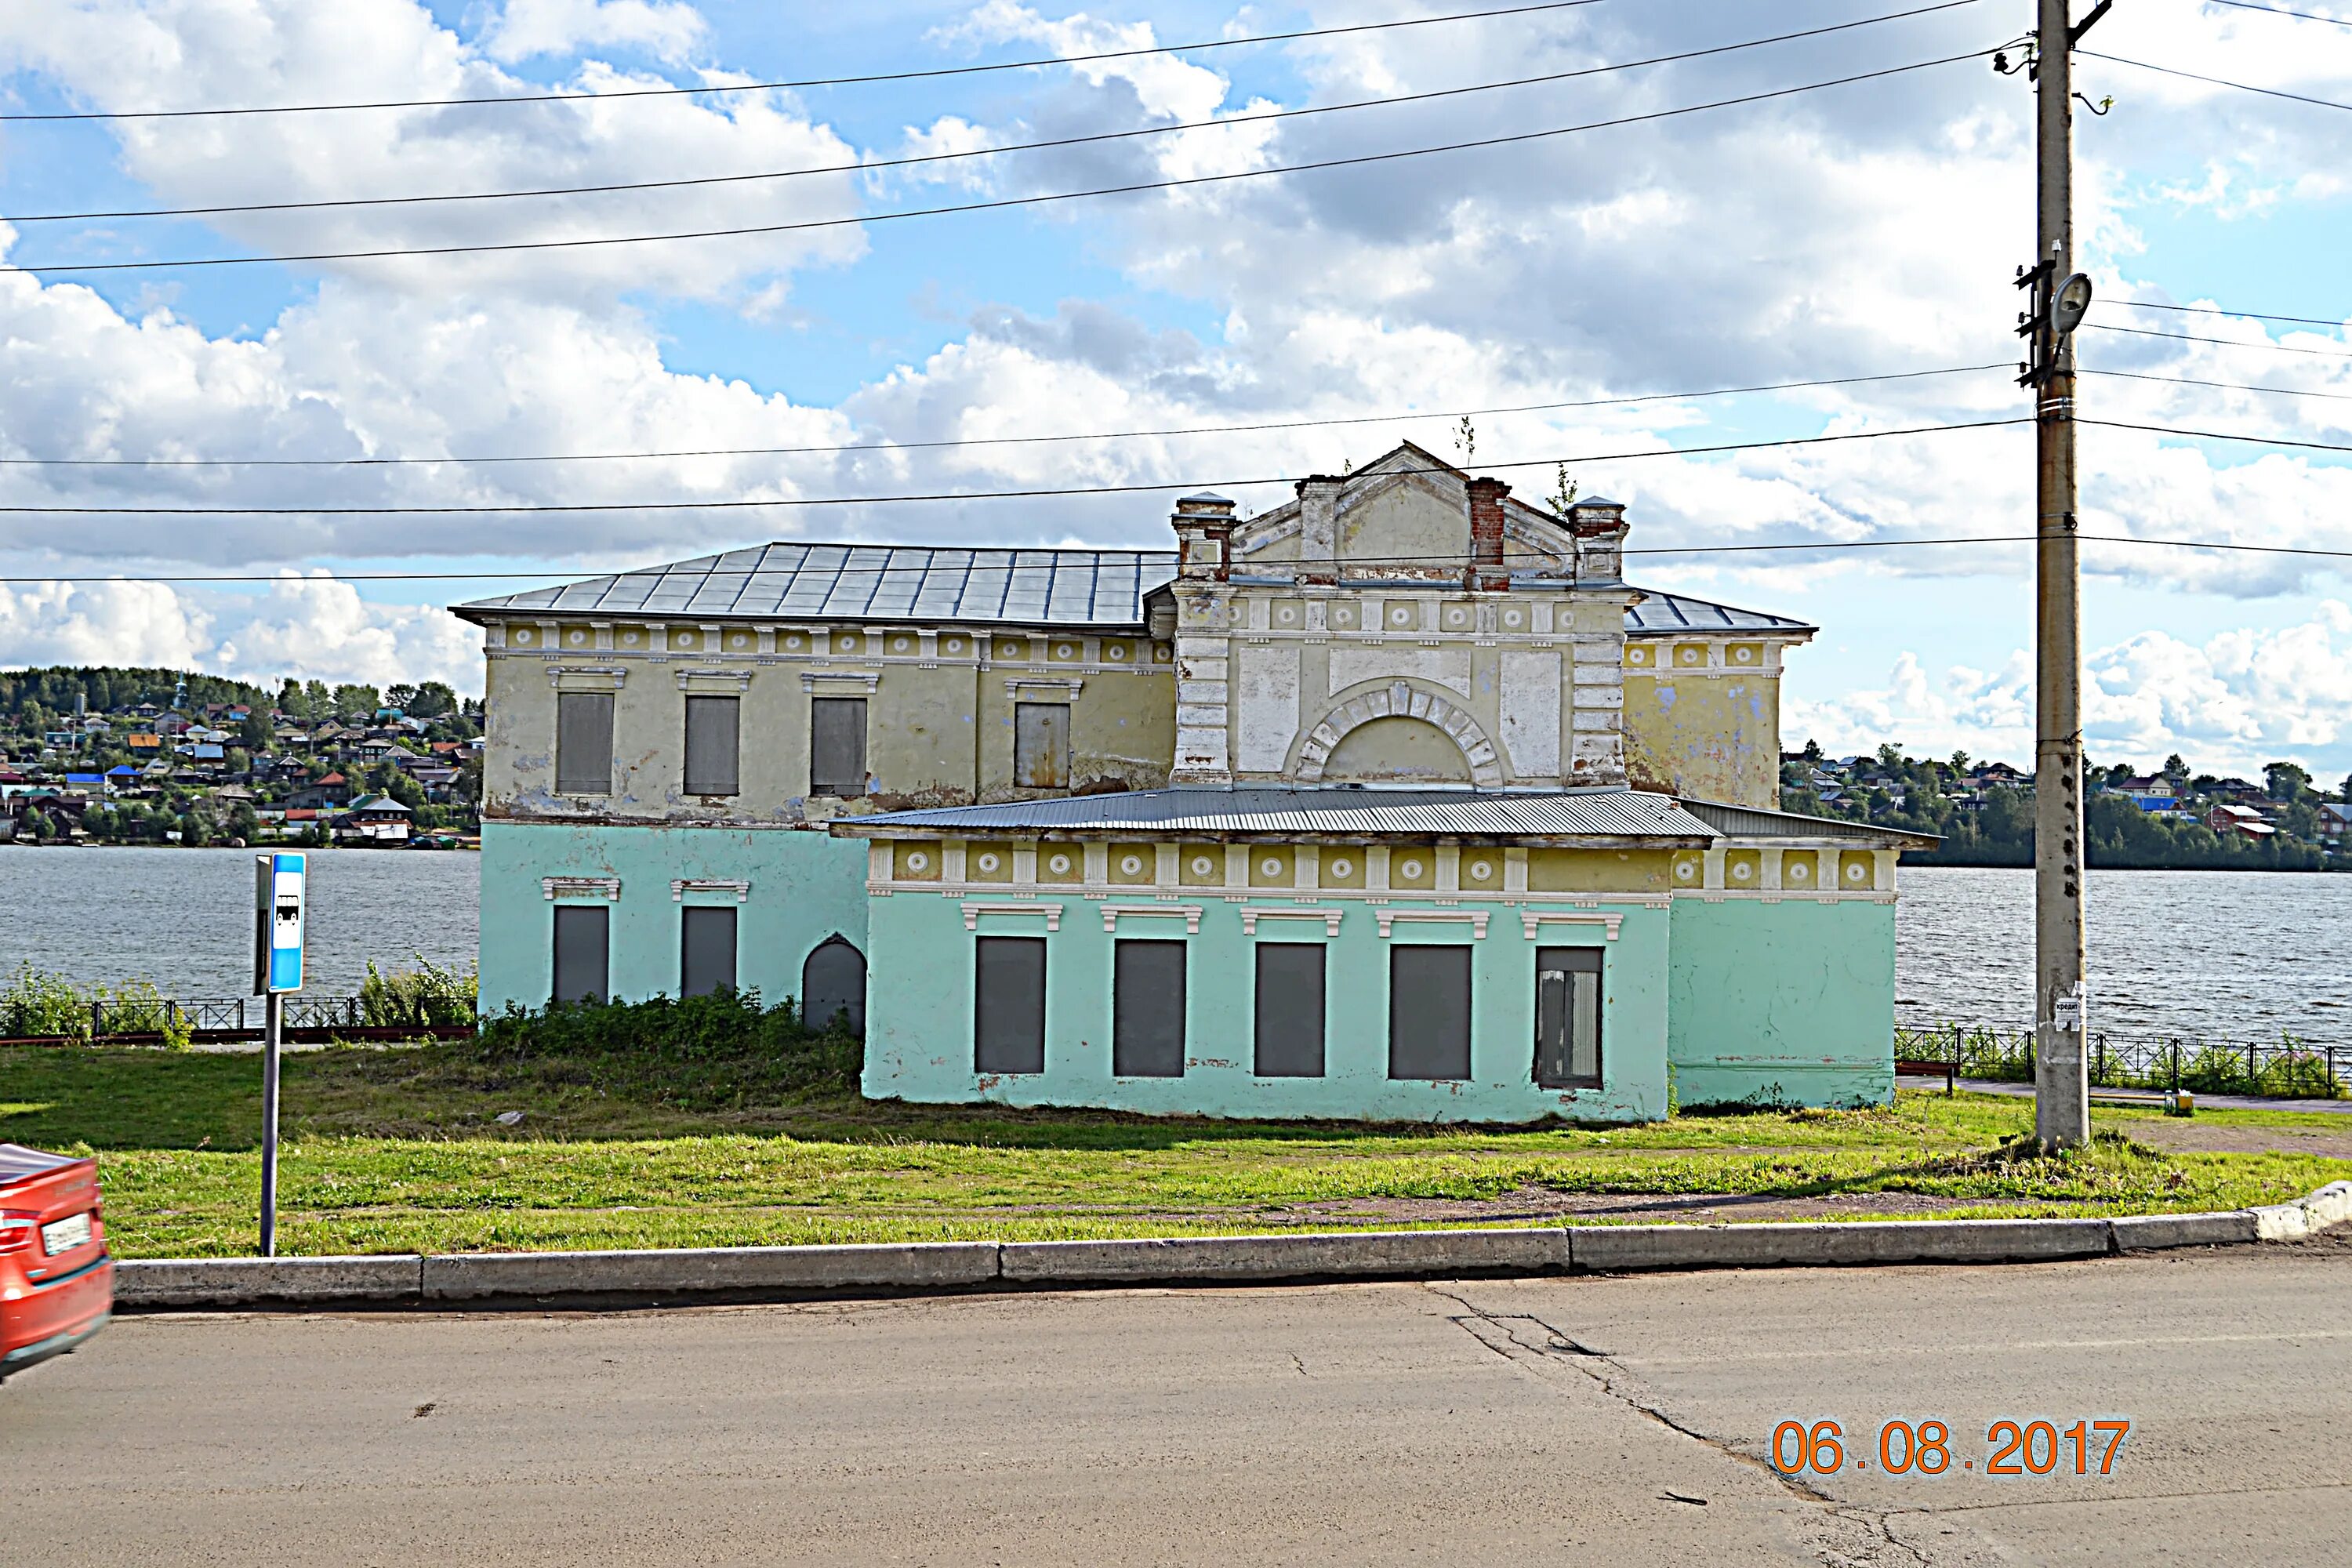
1584,814
872,582
919,582
1662,613
1747,822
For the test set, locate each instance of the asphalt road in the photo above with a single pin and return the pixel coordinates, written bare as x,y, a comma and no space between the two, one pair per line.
1617,1421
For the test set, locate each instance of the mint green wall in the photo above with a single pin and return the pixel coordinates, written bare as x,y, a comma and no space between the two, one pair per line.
804,886
1791,1002
919,1041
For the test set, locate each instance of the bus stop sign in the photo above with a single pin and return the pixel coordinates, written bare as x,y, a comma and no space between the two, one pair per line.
278,911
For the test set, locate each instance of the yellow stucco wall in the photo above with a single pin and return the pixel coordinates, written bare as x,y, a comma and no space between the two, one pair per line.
1709,735
939,729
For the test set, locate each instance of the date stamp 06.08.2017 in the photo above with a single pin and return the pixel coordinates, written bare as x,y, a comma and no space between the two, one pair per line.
2034,1448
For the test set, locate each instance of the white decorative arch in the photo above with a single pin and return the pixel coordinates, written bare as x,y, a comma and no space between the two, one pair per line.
1397,698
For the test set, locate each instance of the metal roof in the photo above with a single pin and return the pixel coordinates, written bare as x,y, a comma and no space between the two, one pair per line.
905,582
1583,813
1748,822
1662,613
872,582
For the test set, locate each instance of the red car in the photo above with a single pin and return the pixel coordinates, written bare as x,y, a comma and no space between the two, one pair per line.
56,1282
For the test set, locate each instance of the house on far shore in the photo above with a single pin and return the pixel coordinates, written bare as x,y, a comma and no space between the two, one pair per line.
2334,821
2243,820
331,791
373,820
2153,795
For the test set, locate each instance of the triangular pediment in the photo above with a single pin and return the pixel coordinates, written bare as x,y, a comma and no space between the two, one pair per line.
1406,514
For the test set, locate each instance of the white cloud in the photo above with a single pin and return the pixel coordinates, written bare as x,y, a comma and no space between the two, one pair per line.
100,623
663,28
125,55
305,626
2243,697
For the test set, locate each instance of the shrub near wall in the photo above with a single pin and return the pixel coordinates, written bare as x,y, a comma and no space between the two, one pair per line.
696,1052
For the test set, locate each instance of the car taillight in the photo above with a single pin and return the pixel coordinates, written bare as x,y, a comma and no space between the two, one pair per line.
16,1227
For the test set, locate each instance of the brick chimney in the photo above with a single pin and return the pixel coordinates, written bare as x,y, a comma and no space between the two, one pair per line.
1600,529
1318,528
1486,570
1204,536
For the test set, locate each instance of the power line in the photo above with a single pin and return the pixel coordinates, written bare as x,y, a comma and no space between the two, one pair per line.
2217,81
811,82
2226,385
797,502
930,158
2225,342
1354,161
2283,11
982,440
2336,324
1034,493
890,571
2224,435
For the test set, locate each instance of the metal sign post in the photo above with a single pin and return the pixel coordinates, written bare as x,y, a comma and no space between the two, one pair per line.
278,919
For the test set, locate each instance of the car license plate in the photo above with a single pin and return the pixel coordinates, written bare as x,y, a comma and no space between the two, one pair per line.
65,1235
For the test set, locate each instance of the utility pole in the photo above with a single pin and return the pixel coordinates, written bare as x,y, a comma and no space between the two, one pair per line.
2062,1104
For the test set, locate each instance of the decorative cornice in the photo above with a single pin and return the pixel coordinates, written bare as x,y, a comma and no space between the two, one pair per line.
1532,920
1253,913
1476,918
742,677
865,680
556,672
974,910
681,886
605,888
1190,913
1041,686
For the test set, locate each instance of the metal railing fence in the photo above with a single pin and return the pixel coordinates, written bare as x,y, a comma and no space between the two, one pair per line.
2285,1068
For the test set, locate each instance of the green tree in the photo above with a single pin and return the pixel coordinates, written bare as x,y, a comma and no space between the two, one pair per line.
356,701
433,699
194,833
242,824
400,695
254,734
2174,769
2285,781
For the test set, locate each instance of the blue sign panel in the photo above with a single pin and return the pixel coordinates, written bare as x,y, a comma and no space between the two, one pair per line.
278,919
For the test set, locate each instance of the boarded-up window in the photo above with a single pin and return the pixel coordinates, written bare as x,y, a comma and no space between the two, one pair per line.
1568,1017
1290,1009
1147,1025
582,951
705,961
1040,745
1009,1005
833,985
838,746
1429,1011
713,745
584,743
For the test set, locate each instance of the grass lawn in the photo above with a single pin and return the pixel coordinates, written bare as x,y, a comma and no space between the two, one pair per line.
398,1151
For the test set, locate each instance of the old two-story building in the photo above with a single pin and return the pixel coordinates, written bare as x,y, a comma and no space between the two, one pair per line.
1396,800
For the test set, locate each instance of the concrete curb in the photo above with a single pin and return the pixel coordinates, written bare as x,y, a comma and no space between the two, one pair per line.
2330,1205
771,1273
1344,1255
1612,1248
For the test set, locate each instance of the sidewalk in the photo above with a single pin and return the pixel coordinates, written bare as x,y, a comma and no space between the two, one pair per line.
2204,1101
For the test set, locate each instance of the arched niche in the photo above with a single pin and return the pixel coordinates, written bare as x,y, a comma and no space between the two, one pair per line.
832,981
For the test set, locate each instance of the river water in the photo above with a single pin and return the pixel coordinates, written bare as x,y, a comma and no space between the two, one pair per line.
184,917
2241,954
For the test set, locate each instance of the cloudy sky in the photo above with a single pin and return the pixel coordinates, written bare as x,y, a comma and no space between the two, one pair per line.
1867,229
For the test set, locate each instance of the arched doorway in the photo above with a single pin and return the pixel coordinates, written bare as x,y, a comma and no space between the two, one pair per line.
834,981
